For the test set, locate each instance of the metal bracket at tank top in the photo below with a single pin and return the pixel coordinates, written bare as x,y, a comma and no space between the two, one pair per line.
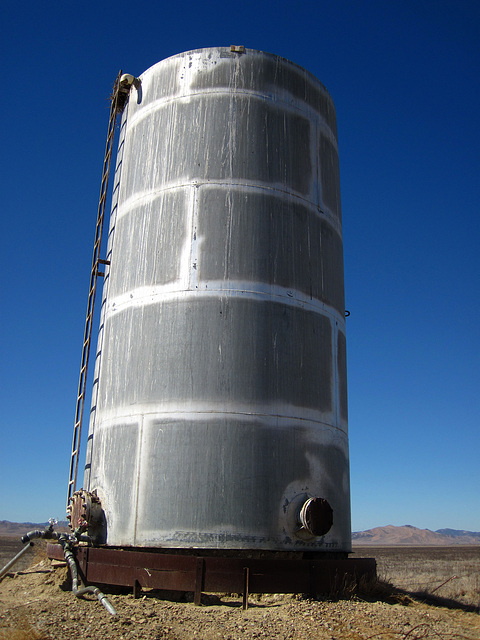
118,100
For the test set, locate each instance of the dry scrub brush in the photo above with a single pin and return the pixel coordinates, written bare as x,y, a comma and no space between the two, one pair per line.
450,573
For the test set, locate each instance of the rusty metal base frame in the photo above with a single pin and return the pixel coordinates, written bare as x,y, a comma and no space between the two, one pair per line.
243,575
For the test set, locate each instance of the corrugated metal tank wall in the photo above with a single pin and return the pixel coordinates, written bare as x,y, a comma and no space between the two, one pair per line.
219,401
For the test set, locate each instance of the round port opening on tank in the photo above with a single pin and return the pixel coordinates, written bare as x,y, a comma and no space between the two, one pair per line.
316,516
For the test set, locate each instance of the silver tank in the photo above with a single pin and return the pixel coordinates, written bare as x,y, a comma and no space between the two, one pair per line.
219,412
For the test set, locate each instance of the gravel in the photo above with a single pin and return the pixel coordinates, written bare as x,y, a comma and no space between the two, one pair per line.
38,605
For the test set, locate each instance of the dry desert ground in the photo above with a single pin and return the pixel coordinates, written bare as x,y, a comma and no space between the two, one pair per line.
416,597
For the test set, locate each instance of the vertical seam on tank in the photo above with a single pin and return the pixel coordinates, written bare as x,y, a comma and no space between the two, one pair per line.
231,150
322,267
137,489
336,387
193,267
317,163
106,283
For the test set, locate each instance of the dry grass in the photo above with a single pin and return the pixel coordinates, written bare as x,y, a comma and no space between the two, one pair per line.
446,573
21,629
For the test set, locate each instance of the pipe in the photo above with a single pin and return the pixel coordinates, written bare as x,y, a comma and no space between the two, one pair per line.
66,540
47,533
72,564
14,560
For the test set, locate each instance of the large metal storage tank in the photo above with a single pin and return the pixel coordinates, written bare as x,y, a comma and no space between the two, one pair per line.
219,404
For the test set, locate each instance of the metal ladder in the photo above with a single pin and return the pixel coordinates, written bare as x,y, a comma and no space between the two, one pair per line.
118,99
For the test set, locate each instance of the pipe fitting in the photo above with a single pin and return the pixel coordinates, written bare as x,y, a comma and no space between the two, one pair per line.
85,515
66,541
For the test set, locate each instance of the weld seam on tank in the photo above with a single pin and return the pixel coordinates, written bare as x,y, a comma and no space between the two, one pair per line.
136,201
295,106
151,294
237,183
172,415
171,292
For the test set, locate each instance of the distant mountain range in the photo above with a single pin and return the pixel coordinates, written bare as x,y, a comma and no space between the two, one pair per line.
408,535
14,529
379,537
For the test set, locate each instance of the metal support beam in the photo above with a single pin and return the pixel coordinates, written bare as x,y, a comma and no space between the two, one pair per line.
246,575
198,574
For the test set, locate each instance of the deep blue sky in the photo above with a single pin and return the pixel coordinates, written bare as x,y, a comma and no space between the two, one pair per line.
405,80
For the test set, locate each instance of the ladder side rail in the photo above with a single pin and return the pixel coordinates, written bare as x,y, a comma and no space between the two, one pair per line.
92,295
116,171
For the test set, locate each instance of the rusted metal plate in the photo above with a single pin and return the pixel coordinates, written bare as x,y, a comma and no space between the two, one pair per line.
55,551
216,574
125,557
